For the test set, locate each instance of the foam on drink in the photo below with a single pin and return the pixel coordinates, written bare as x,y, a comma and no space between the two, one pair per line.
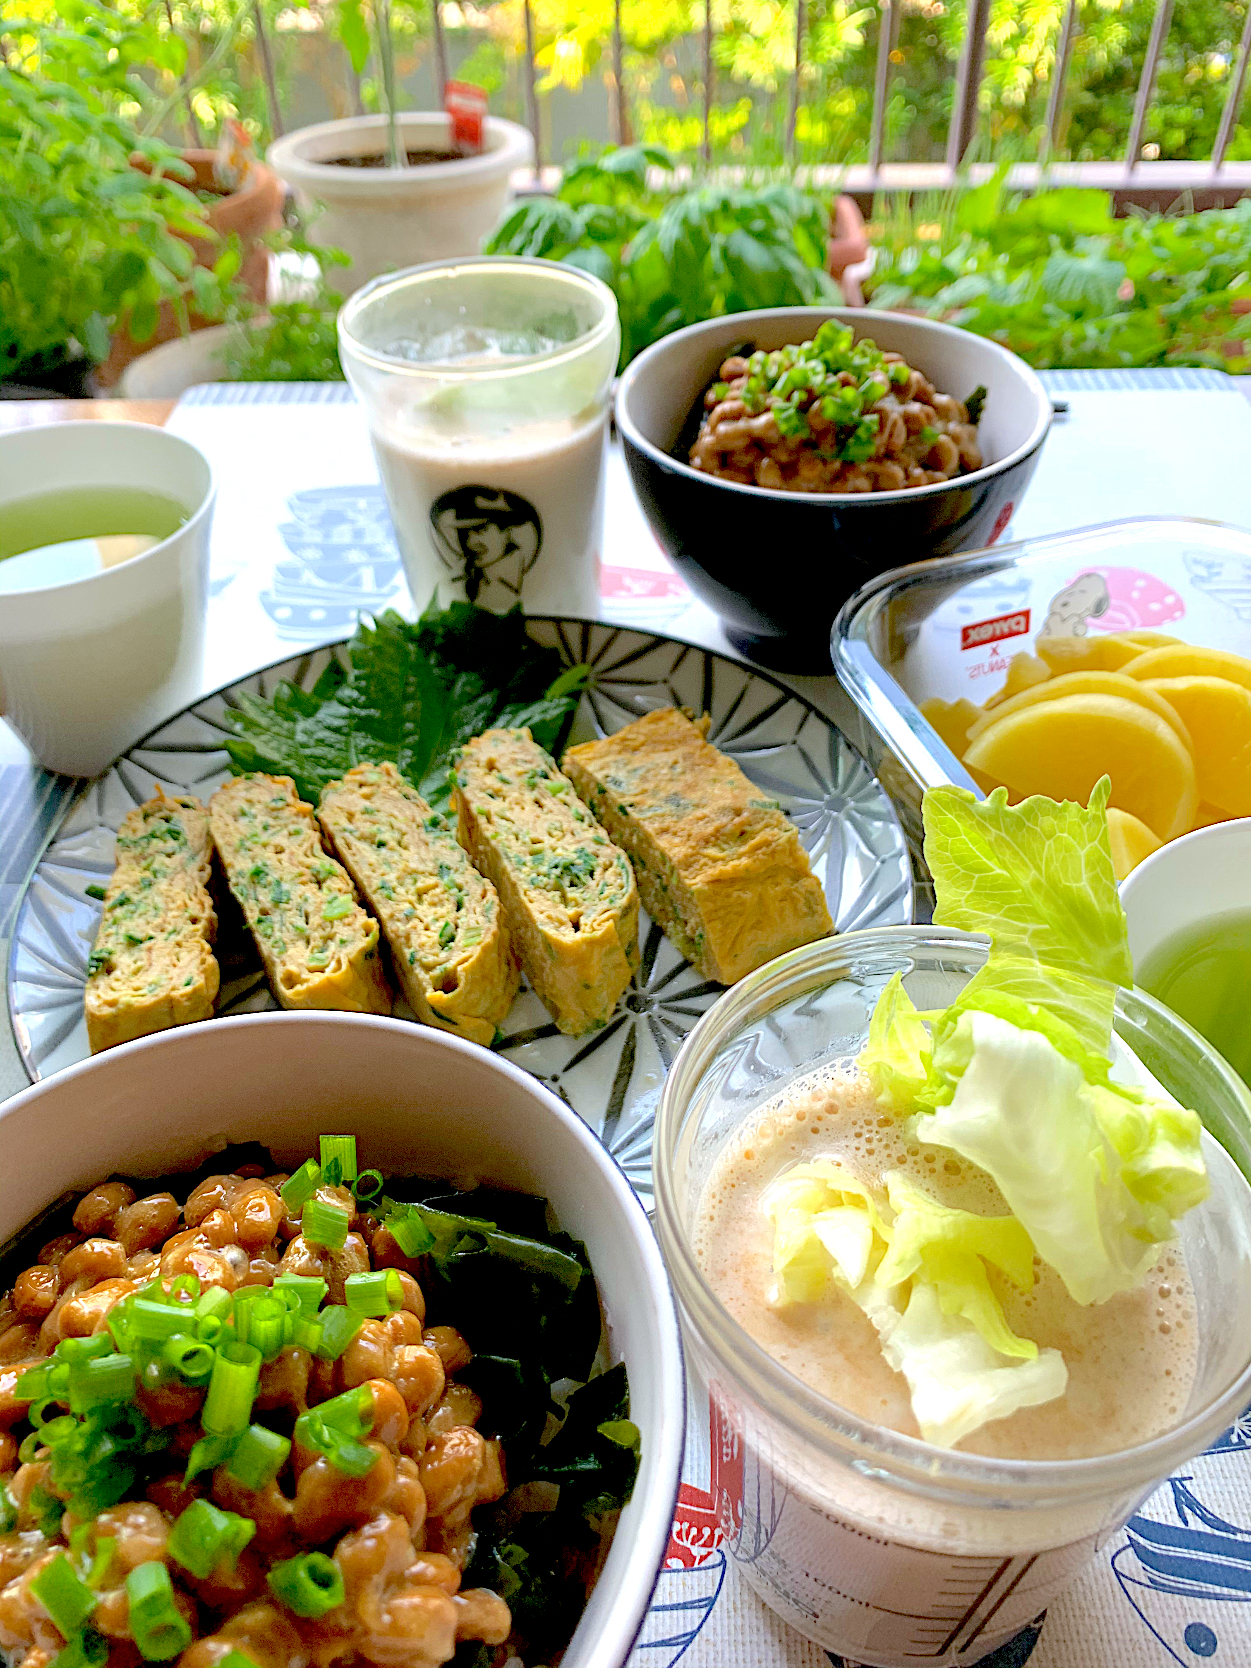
1131,1360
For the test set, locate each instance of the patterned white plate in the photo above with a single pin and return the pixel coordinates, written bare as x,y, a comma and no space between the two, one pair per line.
613,1077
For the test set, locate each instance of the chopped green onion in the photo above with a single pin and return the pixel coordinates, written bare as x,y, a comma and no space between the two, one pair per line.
339,906
228,1406
307,1334
340,1150
8,1512
378,1293
48,1509
184,1286
33,1385
338,1328
235,1659
107,1379
410,1232
64,1595
307,1291
211,1330
151,1322
105,1548
266,1322
318,1434
325,1224
204,1534
369,1184
75,1350
191,1360
308,1585
157,1626
899,374
301,1186
58,1430
28,1448
258,1457
208,1453
215,1303
351,1412
85,1650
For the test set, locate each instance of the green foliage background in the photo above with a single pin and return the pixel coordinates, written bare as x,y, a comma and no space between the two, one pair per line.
754,54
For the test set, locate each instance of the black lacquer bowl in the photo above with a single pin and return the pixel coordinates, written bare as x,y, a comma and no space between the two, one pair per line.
777,566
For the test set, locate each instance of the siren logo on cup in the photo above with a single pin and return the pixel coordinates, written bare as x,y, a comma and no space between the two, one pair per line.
489,539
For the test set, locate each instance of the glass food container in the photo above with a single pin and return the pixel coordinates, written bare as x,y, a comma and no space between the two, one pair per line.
879,1546
949,628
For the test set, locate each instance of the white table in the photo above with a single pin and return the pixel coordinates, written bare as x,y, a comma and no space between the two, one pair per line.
1132,443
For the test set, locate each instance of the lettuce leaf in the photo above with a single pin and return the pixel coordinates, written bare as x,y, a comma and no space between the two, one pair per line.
958,1382
896,1058
1053,1144
951,1249
918,1270
1037,877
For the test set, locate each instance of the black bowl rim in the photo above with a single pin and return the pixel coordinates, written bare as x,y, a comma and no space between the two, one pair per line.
632,435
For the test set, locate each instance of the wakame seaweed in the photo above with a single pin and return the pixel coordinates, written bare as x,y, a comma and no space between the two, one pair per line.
412,693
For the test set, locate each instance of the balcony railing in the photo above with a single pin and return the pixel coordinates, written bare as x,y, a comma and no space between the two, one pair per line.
1138,177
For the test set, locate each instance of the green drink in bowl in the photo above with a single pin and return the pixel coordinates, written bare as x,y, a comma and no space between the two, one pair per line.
1188,909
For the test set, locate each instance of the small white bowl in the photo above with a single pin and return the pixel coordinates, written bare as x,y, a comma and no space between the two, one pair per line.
419,1102
1187,881
89,666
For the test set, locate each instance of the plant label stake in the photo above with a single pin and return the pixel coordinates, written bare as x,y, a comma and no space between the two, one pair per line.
465,105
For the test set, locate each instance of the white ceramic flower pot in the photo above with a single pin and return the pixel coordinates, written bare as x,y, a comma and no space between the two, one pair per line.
386,218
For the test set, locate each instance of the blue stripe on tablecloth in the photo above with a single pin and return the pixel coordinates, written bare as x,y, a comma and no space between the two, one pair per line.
268,393
1150,379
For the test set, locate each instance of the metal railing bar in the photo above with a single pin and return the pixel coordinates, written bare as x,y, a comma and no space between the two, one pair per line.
1060,74
968,84
1233,102
1146,81
624,134
532,96
193,126
792,114
887,35
442,72
267,72
706,147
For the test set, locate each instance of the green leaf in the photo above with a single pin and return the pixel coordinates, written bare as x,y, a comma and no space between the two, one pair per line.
919,1270
412,694
1037,877
1025,1114
353,32
896,1058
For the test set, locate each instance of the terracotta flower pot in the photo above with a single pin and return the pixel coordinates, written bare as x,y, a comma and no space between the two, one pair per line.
847,247
249,214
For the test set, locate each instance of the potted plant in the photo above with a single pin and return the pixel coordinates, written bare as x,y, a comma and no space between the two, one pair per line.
239,215
85,237
394,189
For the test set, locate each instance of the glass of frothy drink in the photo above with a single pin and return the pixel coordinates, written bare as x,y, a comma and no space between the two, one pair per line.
872,1542
485,384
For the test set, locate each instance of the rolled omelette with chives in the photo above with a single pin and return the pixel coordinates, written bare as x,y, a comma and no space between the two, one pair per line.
319,947
442,920
720,867
568,892
152,964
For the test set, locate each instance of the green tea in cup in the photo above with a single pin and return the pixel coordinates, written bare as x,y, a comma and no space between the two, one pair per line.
53,538
1188,909
1203,972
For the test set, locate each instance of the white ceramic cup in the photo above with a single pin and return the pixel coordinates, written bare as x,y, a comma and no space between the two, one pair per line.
1202,875
420,1102
89,666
